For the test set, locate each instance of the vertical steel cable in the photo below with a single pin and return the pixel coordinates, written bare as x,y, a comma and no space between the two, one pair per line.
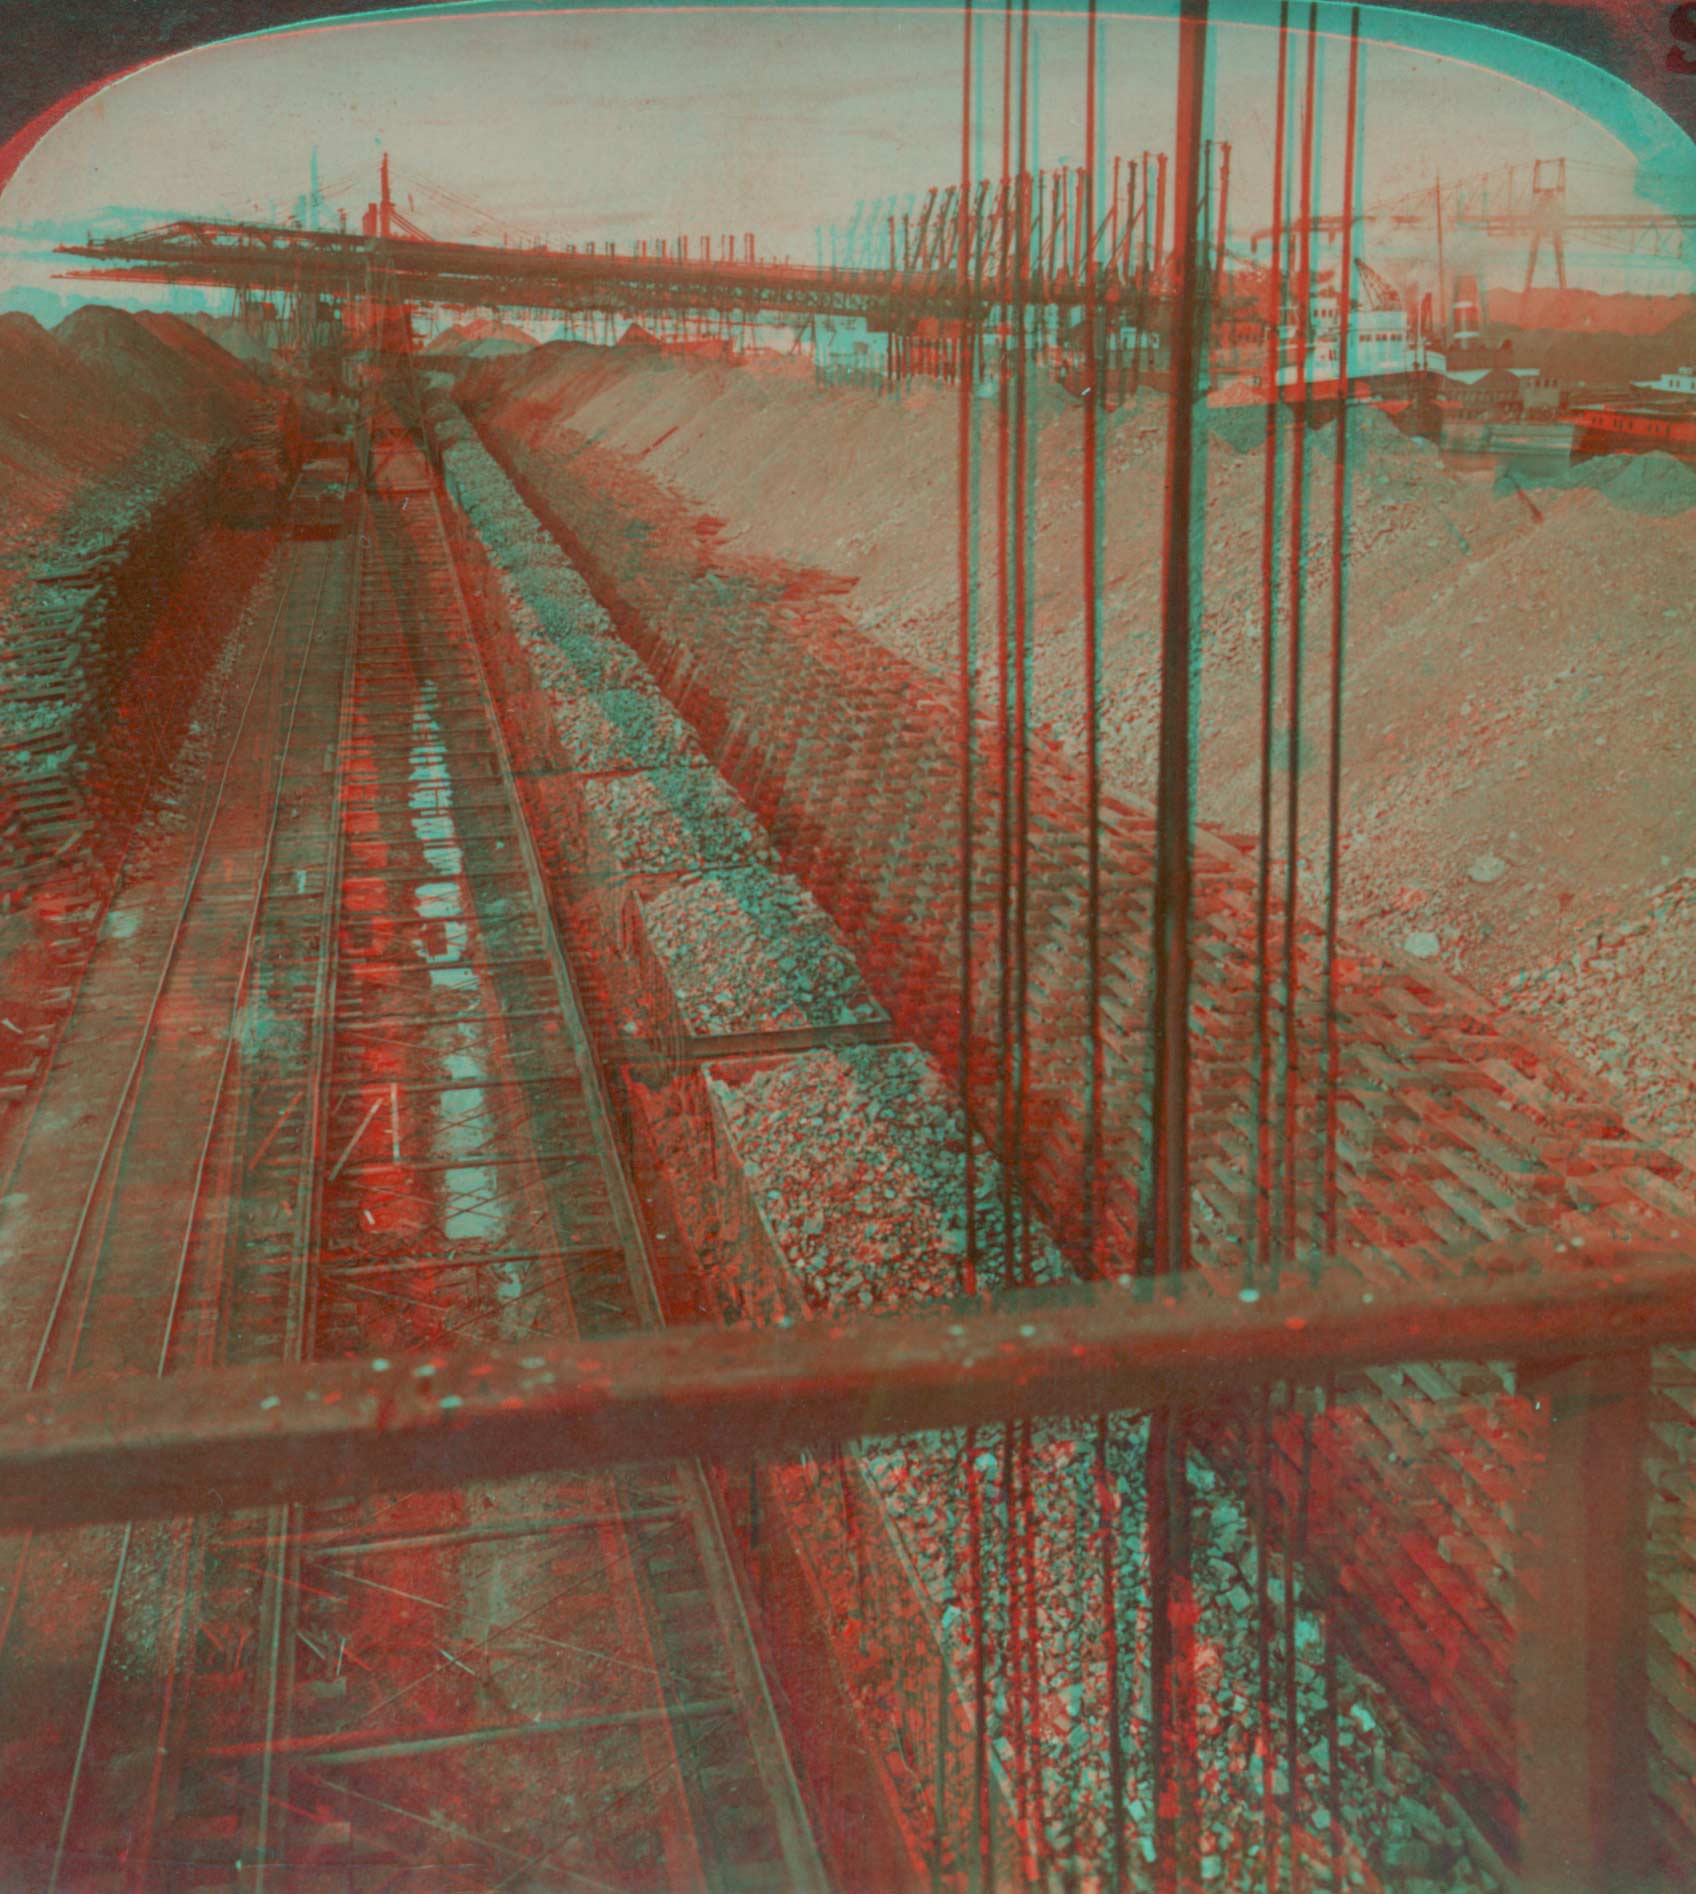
1339,583
1173,840
1168,1252
1285,1252
1295,1552
1033,1655
1023,532
968,627
1004,800
1092,524
984,1852
1157,1494
1025,1683
965,497
1269,1838
1333,1752
1013,187
1093,473
1013,1671
1107,1504
1262,1155
1333,864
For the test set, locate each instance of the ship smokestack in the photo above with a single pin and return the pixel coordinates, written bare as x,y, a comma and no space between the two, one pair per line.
1465,323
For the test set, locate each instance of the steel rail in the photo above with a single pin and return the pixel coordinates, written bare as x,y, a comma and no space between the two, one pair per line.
122,1123
283,1538
274,1746
105,879
278,1594
190,889
18,1132
439,561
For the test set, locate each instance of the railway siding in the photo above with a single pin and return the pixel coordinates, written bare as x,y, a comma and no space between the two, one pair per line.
328,1093
466,1191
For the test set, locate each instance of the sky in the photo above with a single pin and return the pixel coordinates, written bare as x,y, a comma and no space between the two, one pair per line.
632,124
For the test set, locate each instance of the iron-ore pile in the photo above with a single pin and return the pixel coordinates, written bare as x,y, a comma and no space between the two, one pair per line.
232,334
1656,484
856,1159
1619,1001
855,1162
643,801
601,732
575,660
97,420
547,594
749,950
667,822
552,591
845,1171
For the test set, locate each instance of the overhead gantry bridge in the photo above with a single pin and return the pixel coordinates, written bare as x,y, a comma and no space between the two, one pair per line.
346,266
1033,252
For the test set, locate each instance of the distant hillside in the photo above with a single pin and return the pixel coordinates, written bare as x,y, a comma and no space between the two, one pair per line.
1585,311
1606,356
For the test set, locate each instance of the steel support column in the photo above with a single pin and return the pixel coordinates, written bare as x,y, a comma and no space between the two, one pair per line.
1581,1669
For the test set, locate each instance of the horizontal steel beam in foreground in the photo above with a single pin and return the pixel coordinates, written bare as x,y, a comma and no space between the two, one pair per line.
138,1448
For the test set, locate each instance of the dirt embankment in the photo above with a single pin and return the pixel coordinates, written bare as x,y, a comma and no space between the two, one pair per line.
1519,701
109,431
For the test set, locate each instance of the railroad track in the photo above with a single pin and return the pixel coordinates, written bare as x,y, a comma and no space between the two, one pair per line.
399,1143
